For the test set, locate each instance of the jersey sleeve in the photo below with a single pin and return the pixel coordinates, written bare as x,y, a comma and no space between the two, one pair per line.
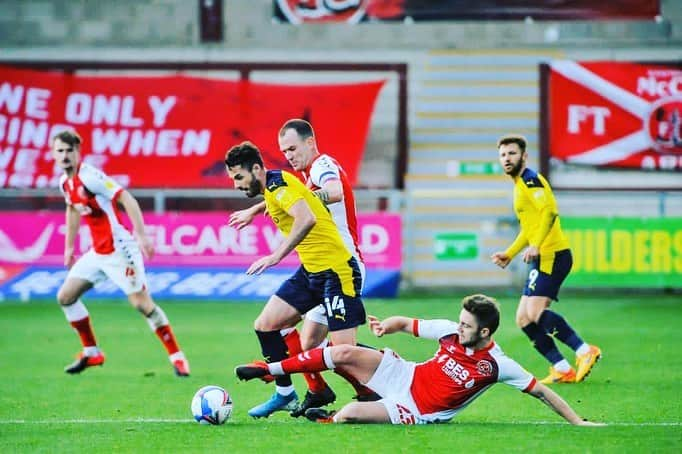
324,169
433,329
512,374
98,182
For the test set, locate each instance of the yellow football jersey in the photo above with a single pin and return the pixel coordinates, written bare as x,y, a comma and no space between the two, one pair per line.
322,248
532,196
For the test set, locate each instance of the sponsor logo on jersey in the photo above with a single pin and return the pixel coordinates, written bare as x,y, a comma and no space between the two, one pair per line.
484,367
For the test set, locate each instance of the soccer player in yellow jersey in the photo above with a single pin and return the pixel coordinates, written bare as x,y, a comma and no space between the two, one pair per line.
328,274
549,257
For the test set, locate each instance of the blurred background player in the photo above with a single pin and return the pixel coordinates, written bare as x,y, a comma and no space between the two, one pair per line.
466,364
114,254
327,179
549,256
328,274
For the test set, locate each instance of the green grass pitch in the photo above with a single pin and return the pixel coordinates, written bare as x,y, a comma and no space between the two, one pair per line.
135,404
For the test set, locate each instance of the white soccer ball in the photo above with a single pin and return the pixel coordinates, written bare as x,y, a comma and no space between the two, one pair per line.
211,405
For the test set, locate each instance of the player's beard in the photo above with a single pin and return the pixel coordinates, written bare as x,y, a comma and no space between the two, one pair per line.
475,339
255,188
516,169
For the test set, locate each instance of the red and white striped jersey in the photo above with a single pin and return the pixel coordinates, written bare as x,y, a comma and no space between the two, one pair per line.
325,168
93,194
456,375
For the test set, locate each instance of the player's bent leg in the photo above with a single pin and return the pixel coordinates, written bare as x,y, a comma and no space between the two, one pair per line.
349,337
363,412
530,309
521,313
560,371
360,362
78,317
535,305
319,393
158,322
71,290
313,333
277,314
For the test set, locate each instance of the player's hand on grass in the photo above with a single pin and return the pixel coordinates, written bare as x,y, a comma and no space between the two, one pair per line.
375,326
500,259
586,423
532,253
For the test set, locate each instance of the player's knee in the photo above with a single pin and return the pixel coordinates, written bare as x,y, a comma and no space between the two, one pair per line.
142,302
349,413
521,320
308,343
343,354
65,298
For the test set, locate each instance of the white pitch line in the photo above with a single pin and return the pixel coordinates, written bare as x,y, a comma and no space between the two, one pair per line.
183,421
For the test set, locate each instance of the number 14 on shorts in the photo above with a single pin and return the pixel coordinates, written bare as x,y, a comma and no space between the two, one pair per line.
335,307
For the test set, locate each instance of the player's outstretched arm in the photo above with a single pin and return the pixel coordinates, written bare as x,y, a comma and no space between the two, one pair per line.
390,325
135,214
559,405
304,221
242,218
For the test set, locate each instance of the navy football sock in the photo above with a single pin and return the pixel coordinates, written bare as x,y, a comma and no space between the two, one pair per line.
274,349
542,342
558,327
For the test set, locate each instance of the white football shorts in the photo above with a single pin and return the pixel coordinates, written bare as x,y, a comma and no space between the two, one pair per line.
392,381
124,267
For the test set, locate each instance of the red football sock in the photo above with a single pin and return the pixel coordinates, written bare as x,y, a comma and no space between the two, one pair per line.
165,333
315,381
85,332
309,361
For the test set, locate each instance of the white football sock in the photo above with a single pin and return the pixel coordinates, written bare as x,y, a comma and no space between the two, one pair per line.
176,356
276,368
157,318
90,351
327,355
285,390
562,366
584,348
76,311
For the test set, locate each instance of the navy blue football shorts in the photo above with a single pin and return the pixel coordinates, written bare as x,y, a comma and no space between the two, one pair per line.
338,289
540,283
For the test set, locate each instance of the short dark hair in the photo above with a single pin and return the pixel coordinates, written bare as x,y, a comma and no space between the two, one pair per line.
485,309
246,154
69,137
302,128
518,139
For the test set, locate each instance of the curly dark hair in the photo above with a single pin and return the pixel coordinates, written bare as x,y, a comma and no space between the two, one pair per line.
246,154
485,309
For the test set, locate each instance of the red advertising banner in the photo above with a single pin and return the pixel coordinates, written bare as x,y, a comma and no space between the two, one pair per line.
616,114
169,131
354,11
